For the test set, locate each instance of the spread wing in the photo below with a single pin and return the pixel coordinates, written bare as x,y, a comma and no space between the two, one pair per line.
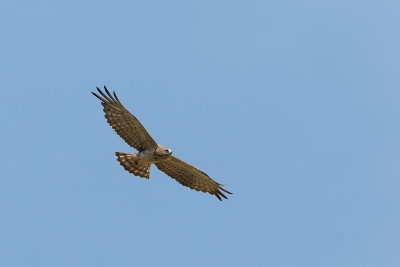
190,176
124,123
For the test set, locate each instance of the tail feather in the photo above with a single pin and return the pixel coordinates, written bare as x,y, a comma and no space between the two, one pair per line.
128,161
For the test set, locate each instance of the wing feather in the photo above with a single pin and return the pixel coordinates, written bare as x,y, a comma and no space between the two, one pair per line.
124,123
190,176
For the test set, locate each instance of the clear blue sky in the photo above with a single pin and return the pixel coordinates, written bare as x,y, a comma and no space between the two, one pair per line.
294,105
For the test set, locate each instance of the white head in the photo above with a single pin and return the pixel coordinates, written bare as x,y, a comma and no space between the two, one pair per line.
162,152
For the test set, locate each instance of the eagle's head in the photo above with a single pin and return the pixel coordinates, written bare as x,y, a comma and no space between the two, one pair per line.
162,152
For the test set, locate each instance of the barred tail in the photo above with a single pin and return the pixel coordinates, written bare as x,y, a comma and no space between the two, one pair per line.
128,161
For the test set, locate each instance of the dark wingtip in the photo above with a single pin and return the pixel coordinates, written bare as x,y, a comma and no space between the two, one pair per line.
111,96
219,194
226,191
99,97
98,89
115,95
105,89
104,95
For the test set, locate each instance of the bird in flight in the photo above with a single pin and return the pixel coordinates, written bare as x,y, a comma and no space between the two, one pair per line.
134,134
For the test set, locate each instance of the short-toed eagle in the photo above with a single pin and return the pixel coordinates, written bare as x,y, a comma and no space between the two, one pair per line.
134,134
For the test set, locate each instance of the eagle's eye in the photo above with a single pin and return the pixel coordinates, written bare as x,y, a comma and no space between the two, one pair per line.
166,150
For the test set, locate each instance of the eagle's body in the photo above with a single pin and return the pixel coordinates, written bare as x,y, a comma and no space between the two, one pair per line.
139,164
153,155
131,130
148,157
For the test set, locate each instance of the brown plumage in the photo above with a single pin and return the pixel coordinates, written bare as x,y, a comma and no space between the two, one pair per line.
134,134
128,162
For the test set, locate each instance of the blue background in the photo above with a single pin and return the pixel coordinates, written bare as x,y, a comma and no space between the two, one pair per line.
294,105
